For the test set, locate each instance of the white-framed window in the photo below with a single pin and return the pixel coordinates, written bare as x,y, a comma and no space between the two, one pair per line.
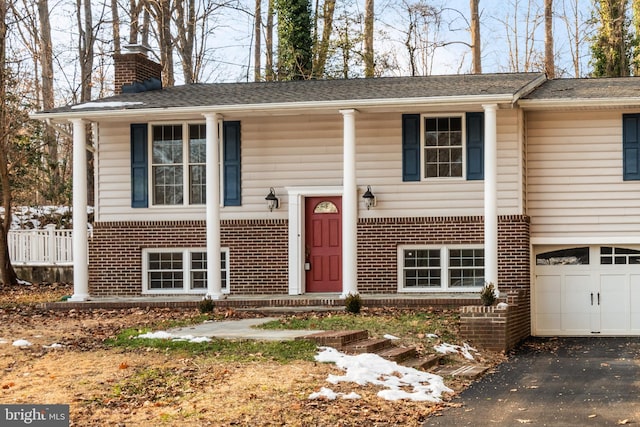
440,268
180,270
443,146
178,164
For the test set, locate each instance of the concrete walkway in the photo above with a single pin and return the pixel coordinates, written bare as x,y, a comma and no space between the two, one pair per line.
555,382
240,329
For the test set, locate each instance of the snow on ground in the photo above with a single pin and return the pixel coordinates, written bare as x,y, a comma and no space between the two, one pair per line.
21,343
400,382
28,217
465,350
163,335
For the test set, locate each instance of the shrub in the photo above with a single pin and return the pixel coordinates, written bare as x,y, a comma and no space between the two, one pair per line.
488,294
206,305
353,303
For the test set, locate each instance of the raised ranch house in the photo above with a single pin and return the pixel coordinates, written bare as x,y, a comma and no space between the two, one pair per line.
409,186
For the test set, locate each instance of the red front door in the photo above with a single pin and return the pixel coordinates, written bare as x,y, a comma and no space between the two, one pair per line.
323,241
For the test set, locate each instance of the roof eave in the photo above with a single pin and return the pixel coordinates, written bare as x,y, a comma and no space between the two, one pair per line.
539,104
282,108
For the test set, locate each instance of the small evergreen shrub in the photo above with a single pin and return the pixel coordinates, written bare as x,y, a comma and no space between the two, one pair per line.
206,305
353,303
488,294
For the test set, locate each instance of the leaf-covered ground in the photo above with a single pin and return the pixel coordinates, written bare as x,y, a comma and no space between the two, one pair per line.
151,386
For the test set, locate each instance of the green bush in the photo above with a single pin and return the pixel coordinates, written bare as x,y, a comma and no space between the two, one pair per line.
353,303
206,305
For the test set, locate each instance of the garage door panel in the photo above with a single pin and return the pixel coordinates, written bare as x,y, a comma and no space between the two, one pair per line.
549,299
576,303
615,312
634,301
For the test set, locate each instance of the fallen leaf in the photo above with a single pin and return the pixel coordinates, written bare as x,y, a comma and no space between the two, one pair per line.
622,422
592,416
123,365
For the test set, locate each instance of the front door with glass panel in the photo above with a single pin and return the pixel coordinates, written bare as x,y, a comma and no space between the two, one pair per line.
323,244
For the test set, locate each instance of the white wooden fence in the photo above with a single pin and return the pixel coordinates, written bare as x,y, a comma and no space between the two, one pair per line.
41,247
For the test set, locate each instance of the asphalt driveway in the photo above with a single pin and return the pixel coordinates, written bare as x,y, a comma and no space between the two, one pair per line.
555,382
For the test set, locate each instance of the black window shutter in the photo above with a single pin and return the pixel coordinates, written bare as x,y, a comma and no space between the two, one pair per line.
631,147
139,166
475,146
231,164
411,147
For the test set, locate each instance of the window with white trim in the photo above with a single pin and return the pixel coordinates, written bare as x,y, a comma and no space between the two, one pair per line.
180,270
443,146
437,268
178,162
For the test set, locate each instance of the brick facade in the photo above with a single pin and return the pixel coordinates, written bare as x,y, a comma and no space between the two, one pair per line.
134,67
258,251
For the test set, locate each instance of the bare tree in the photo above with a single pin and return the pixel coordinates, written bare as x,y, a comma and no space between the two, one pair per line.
369,62
257,42
476,48
115,25
549,63
86,41
161,11
521,42
421,35
268,41
185,37
578,29
322,45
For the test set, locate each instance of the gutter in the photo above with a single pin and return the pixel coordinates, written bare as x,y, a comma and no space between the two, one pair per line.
280,108
539,104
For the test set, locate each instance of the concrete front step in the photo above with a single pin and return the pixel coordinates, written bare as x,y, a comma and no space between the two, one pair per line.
467,371
423,363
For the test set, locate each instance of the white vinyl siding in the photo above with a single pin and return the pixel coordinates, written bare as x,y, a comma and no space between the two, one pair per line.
306,151
575,187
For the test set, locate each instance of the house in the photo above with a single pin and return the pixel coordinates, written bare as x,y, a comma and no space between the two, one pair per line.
388,186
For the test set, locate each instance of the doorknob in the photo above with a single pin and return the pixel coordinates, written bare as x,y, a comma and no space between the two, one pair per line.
598,298
591,298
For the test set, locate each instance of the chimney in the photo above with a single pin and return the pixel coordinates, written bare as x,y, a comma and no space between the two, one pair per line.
135,72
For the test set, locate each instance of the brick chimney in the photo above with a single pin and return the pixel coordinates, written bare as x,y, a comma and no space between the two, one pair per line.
135,72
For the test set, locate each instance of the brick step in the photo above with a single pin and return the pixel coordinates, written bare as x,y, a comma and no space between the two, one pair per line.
398,354
371,345
337,339
423,363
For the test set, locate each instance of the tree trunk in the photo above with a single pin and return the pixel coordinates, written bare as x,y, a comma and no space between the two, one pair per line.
115,24
369,63
257,43
549,63
323,45
269,72
475,38
185,25
6,269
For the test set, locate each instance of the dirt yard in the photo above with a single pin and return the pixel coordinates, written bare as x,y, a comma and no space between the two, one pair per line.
69,363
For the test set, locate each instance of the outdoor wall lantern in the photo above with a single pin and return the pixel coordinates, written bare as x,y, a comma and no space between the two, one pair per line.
369,198
272,201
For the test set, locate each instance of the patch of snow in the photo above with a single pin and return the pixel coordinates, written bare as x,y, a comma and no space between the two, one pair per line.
502,306
370,368
390,337
3,341
21,343
432,336
54,345
163,335
104,105
327,393
465,350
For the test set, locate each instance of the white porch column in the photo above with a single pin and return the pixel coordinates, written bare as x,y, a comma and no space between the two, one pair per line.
490,195
349,207
214,277
80,242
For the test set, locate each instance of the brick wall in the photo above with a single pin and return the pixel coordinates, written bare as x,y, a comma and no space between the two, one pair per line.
378,240
257,259
497,328
134,67
259,250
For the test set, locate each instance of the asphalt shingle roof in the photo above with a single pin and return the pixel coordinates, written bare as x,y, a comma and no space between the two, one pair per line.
264,93
595,88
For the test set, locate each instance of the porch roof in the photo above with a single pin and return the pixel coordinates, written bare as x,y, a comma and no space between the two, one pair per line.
349,93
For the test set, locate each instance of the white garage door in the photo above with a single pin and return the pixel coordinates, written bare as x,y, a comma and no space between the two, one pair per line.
587,290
